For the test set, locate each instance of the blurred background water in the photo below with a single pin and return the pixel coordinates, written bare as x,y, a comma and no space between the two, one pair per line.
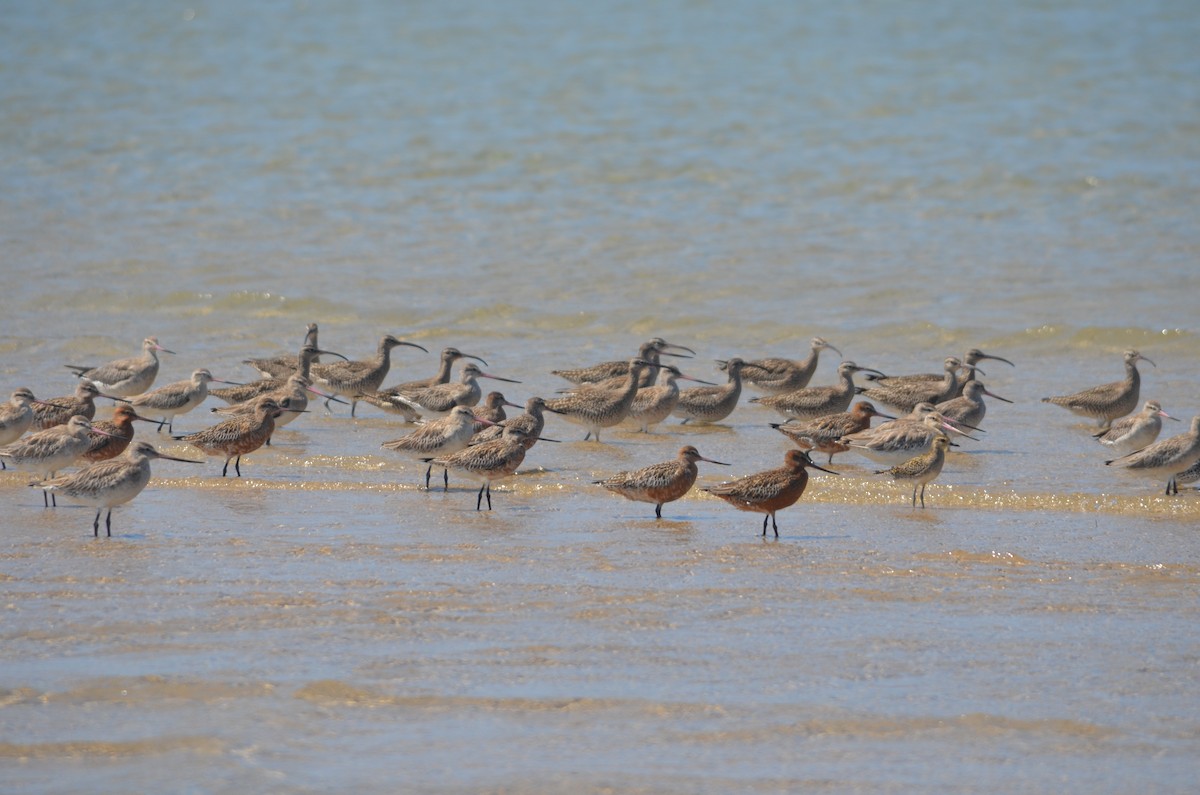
547,185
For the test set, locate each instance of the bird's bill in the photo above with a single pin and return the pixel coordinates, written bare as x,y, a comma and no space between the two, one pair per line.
997,359
319,393
993,394
498,378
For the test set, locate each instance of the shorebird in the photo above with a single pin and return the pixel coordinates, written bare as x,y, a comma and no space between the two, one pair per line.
109,483
659,483
16,417
1190,475
904,396
125,377
292,397
649,351
58,410
487,462
898,441
600,408
816,401
280,367
109,438
530,423
825,433
491,411
176,398
440,437
775,376
1107,402
353,378
968,408
442,376
441,398
653,404
48,451
923,468
237,436
972,357
770,491
1166,458
1132,433
711,403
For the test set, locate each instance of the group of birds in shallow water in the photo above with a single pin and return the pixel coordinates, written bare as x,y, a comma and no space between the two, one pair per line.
479,439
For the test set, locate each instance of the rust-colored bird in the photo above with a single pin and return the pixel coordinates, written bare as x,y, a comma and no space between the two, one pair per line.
237,436
770,491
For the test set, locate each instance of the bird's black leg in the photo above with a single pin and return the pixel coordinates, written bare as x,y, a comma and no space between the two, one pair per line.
479,497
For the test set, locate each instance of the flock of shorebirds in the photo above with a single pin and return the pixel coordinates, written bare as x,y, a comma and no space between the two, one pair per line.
460,429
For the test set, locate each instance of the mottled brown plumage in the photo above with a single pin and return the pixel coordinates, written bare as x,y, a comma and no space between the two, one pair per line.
769,491
659,483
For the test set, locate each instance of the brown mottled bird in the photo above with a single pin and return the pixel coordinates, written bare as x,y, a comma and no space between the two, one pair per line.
659,483
823,433
237,436
1107,402
770,491
923,468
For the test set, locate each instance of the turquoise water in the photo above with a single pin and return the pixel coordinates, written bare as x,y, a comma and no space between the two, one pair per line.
547,185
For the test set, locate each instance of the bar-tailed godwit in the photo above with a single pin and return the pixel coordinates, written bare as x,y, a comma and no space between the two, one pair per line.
491,411
824,434
48,451
441,437
487,462
775,376
1132,433
1166,458
441,398
659,483
900,440
108,484
16,417
923,468
237,436
353,378
125,377
769,491
174,399
58,410
110,438
530,423
600,408
653,404
1107,402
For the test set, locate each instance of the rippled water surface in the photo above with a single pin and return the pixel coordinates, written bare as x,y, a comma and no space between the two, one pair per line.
545,186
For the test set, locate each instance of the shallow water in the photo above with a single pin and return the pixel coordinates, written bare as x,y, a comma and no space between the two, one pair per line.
546,186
